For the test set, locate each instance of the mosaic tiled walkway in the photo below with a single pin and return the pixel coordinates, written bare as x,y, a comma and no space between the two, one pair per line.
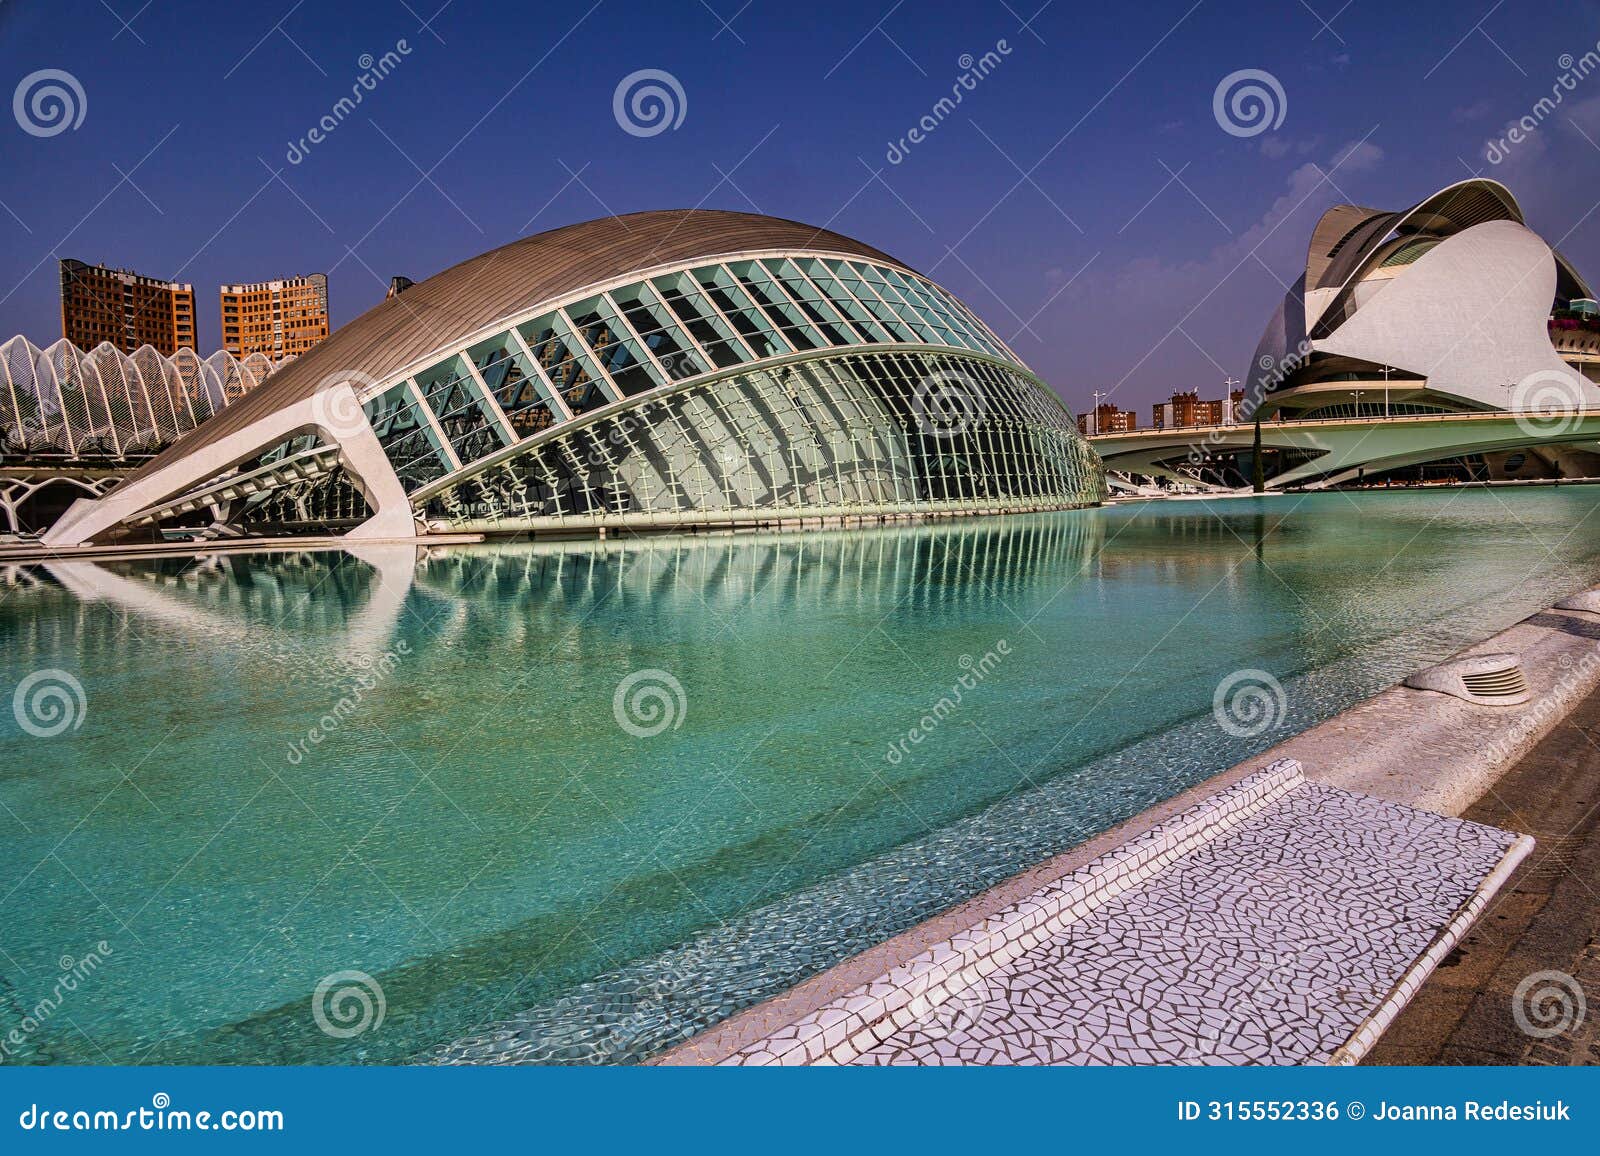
1272,936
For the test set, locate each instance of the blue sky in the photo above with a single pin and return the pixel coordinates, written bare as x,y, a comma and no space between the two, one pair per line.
1083,197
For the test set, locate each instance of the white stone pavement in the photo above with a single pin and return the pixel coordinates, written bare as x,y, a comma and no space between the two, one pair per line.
1277,921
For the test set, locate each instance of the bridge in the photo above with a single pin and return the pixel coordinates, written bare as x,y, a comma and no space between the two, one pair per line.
1325,452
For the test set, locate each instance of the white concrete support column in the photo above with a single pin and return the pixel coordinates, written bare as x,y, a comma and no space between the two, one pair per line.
333,413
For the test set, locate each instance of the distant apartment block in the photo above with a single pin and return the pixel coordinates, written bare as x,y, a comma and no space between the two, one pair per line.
1184,409
1106,418
276,318
124,308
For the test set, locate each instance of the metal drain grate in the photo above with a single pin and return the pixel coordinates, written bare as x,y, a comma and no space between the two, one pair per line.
1496,684
1484,679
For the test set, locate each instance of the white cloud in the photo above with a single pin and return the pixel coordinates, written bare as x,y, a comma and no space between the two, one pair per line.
1357,157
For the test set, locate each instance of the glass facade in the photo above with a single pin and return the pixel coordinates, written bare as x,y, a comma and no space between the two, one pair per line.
858,434
767,387
645,336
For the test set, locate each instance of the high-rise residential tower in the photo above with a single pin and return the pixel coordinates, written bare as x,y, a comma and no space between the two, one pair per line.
276,318
127,309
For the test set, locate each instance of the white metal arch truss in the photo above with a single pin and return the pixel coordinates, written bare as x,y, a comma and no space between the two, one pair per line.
64,402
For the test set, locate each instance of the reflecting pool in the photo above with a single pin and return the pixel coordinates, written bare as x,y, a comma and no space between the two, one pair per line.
572,801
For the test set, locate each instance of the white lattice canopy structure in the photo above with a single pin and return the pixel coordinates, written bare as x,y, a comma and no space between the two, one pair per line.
65,403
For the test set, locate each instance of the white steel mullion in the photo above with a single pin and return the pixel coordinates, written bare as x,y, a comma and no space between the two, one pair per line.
633,334
491,401
105,401
613,475
585,356
689,443
11,390
144,391
551,391
705,295
909,295
61,405
448,450
183,392
866,336
861,280
831,385
682,327
708,418
805,321
820,372
640,457
983,330
725,414
776,333
849,323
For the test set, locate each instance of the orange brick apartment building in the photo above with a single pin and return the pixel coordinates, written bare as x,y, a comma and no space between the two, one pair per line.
277,318
125,308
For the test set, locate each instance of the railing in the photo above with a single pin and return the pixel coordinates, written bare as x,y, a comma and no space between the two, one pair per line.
1270,424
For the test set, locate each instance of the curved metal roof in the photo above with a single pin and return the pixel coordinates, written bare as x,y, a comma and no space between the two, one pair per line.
516,278
1361,230
1333,233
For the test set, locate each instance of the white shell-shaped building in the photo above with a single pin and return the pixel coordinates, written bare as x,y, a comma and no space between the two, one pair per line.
1443,307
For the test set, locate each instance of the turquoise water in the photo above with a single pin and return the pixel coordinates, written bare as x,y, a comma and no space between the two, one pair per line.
476,831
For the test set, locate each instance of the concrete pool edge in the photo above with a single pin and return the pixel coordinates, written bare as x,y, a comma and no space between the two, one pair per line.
1432,751
1422,749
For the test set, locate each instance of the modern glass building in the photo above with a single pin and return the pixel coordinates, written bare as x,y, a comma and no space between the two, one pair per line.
659,369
